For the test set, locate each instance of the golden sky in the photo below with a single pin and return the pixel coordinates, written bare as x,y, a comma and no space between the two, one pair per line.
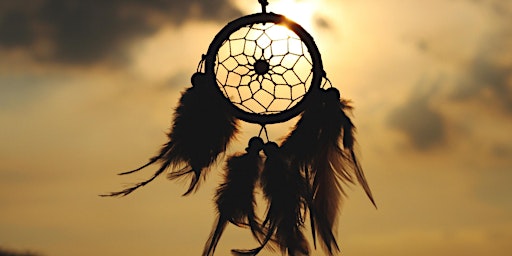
87,90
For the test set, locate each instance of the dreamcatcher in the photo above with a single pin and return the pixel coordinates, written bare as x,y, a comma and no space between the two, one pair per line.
265,69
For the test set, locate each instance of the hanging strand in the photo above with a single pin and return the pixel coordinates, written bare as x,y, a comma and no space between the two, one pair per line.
264,129
264,4
326,83
200,66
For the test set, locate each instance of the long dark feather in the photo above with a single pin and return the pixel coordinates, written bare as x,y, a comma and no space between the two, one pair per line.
235,197
300,147
326,200
201,131
314,145
303,146
342,122
284,190
215,235
348,146
334,164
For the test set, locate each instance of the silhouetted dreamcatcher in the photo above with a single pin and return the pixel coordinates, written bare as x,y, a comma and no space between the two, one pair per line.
265,69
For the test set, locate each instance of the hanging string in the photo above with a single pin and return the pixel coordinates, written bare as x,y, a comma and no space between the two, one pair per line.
200,66
264,4
264,129
326,83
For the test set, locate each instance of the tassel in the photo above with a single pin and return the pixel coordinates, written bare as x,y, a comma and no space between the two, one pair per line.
201,131
313,146
235,197
284,188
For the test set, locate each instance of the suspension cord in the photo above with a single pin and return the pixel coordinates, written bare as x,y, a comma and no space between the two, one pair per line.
264,130
264,4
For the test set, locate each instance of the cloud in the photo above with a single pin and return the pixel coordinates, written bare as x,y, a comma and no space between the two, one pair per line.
478,87
18,90
419,120
85,32
15,29
487,78
322,22
5,252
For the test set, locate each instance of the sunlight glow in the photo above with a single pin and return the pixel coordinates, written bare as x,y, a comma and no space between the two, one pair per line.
299,11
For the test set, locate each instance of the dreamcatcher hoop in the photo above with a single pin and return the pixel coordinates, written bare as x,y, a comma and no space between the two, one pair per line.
266,21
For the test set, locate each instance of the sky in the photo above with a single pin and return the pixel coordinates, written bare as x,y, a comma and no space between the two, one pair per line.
88,88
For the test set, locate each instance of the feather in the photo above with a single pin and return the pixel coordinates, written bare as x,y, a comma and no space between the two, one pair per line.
300,147
327,197
314,146
235,199
284,190
341,122
202,128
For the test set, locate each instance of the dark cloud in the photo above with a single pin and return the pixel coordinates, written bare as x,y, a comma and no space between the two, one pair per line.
501,150
487,78
419,121
15,29
6,252
422,45
322,22
483,80
87,31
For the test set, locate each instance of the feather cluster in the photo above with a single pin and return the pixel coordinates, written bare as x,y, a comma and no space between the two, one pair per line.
313,147
305,175
284,189
191,150
235,197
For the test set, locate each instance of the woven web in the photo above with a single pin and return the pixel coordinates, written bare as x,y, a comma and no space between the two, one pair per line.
264,68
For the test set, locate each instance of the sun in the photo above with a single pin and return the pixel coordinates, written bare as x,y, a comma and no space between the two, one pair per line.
299,11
